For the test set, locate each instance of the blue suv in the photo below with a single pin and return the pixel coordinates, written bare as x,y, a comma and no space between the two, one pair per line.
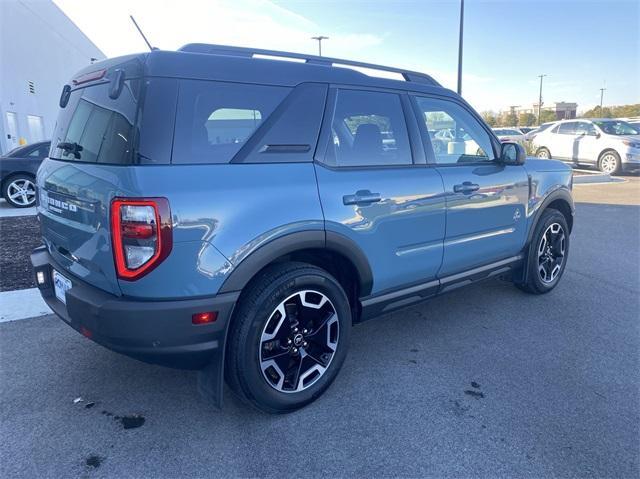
220,209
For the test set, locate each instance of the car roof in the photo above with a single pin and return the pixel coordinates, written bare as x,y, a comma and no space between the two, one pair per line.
267,67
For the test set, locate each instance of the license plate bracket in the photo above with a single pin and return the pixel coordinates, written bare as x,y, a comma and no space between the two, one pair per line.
61,285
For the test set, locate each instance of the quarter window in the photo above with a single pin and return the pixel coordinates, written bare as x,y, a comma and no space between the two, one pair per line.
455,135
215,119
368,129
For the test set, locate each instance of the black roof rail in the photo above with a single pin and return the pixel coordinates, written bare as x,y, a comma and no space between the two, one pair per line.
408,75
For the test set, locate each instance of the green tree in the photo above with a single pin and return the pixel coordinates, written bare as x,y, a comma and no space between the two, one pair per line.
510,119
526,119
619,111
490,118
547,115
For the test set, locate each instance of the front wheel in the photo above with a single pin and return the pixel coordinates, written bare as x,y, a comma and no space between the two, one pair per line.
548,253
289,337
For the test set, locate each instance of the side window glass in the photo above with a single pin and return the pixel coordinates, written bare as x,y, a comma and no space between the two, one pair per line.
568,128
215,119
39,152
368,129
585,128
456,136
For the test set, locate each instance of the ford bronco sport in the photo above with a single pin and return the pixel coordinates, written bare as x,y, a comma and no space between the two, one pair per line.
220,209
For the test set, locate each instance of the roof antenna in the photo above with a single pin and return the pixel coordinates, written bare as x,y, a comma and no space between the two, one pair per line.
142,34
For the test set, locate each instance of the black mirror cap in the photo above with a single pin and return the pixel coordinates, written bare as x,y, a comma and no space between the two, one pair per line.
64,96
116,84
512,153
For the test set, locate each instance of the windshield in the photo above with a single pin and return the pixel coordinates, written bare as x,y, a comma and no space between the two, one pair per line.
617,127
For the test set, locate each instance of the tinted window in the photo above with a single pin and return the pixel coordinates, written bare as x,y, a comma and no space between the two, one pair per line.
215,119
368,129
568,128
458,137
40,152
585,128
95,128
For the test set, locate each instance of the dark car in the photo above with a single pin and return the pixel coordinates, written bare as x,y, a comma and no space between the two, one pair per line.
18,172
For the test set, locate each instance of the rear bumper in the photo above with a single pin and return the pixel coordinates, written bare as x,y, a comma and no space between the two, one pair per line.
159,332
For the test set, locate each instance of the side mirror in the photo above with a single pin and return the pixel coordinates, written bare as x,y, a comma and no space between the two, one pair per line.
512,154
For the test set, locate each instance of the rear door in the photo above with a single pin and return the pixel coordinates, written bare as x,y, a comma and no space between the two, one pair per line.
376,188
588,143
566,141
486,200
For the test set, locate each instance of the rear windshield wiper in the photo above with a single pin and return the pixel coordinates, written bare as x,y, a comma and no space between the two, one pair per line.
73,148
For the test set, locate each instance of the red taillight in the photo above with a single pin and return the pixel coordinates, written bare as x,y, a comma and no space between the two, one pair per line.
204,318
141,234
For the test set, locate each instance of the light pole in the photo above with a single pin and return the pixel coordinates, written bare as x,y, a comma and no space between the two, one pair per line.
320,38
461,30
601,97
540,98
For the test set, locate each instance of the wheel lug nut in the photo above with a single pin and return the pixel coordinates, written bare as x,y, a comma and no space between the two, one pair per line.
305,344
295,350
289,341
305,331
295,330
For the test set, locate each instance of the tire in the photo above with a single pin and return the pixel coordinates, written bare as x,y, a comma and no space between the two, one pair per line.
261,363
542,274
20,190
609,162
543,153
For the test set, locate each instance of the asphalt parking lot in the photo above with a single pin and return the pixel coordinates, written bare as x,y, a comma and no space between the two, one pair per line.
482,382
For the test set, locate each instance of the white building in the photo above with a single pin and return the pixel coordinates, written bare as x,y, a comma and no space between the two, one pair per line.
40,50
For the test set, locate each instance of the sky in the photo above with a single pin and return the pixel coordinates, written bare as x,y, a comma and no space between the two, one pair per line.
581,45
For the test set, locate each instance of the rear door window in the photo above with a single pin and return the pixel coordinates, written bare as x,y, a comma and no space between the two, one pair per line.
568,128
215,119
368,129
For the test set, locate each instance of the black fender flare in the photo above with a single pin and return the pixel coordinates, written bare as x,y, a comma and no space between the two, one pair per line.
562,194
298,241
211,378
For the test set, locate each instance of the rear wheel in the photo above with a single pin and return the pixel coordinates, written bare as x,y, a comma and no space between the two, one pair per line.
548,252
543,153
20,191
609,162
289,337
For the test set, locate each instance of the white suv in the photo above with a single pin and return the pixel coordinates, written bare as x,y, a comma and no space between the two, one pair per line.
611,145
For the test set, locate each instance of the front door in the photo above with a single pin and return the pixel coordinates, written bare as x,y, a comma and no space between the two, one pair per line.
486,200
373,192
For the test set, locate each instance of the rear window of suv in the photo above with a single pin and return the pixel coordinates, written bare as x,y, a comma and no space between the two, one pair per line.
94,128
215,119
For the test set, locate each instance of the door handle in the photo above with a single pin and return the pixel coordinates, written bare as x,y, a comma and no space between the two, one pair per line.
361,198
466,188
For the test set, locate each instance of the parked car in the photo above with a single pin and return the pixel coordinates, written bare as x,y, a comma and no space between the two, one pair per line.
18,172
249,255
532,134
509,134
611,145
526,129
454,140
